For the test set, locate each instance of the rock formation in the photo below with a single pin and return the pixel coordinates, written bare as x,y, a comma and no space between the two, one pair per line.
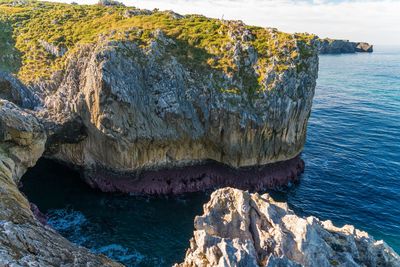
121,104
156,102
139,114
332,46
24,241
364,47
243,229
135,100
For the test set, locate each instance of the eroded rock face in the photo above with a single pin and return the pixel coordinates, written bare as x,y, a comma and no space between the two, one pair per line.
24,241
143,108
243,229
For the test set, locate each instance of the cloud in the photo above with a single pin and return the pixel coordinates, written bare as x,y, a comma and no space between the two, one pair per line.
373,21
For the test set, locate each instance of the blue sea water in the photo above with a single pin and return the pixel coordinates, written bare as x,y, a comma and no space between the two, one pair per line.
352,174
352,152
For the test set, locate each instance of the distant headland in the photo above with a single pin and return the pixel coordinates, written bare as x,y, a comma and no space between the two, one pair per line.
334,46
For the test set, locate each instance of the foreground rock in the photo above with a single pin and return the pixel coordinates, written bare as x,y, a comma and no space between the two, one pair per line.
332,46
24,241
242,229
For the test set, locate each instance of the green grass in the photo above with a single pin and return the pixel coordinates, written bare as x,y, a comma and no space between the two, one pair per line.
200,42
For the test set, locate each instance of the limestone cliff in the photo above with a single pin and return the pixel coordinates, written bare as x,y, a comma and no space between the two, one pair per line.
334,46
243,229
24,241
161,90
143,108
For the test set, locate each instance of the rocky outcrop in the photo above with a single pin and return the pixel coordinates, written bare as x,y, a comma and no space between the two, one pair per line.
24,241
54,50
332,46
364,47
243,229
142,108
135,99
15,91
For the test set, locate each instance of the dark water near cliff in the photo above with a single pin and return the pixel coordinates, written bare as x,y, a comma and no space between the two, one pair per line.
352,173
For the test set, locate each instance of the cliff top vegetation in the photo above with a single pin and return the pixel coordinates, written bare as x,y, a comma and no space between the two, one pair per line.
37,37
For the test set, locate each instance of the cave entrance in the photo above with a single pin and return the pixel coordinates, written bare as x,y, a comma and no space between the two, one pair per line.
134,230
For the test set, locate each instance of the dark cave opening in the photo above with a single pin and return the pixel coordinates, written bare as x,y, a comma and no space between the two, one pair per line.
134,230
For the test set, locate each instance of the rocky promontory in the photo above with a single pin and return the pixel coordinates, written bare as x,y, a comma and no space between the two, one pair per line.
243,229
138,101
335,46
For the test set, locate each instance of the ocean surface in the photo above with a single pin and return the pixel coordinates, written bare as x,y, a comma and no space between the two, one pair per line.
352,174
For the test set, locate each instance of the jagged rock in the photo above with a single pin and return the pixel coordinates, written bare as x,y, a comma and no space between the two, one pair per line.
24,241
57,51
332,46
243,229
13,90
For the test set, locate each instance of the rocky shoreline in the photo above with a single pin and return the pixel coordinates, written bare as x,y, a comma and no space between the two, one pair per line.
140,98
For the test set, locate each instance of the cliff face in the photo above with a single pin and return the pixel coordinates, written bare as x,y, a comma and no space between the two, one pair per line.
161,90
331,46
24,241
122,93
242,229
143,108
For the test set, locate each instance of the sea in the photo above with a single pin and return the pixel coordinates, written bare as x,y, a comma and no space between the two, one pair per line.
352,174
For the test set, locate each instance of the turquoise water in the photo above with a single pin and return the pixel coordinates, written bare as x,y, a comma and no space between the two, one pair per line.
352,173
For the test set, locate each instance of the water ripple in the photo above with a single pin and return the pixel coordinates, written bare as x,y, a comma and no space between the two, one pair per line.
352,152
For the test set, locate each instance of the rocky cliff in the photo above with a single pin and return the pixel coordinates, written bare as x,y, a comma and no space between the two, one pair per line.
243,229
123,94
24,240
333,46
147,90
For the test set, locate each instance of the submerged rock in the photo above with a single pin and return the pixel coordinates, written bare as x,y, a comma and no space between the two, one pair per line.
243,229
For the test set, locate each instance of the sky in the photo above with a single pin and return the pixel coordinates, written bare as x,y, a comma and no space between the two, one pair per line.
376,22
